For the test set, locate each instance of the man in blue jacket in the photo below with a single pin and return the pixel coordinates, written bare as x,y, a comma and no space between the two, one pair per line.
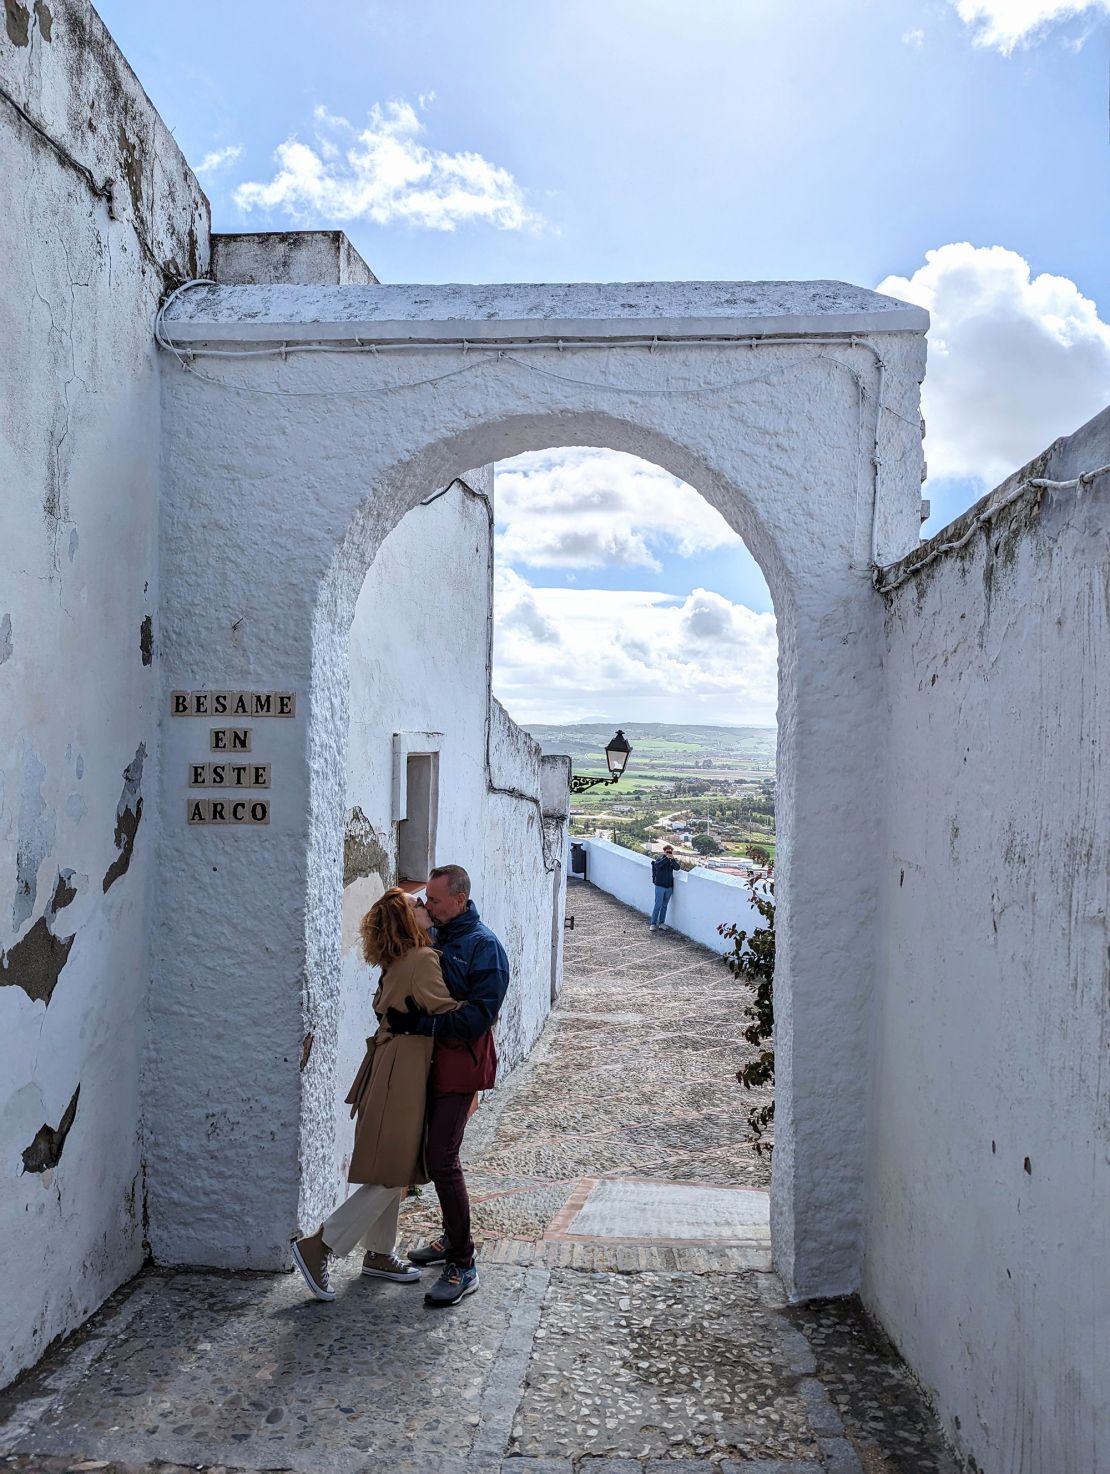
663,868
476,971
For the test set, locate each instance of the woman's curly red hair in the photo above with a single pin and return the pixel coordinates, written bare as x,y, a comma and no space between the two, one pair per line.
390,929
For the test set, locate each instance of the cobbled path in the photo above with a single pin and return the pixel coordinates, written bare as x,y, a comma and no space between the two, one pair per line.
613,1355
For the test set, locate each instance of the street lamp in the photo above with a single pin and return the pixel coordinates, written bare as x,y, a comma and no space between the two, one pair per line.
616,755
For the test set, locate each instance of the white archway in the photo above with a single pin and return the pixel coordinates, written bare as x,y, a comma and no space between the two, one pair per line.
284,474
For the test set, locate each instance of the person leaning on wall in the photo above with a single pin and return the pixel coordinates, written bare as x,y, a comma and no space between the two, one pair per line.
388,1100
663,868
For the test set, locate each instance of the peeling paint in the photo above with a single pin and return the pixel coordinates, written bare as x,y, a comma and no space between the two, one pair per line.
306,1049
129,814
45,20
5,638
363,852
146,640
37,835
18,19
45,1151
35,962
64,892
132,169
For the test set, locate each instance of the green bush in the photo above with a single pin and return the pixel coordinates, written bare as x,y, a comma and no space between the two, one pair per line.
752,959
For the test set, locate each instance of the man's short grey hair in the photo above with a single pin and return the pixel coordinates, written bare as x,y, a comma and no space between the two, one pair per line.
458,882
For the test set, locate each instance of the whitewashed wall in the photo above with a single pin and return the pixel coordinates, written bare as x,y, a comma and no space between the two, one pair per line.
702,899
84,265
524,878
988,1230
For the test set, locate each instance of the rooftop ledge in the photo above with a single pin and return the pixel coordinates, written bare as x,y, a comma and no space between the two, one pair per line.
581,310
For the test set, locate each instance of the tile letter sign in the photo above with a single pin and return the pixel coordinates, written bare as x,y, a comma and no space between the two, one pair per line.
234,765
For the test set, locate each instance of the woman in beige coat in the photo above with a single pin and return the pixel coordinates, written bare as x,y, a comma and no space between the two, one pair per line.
388,1100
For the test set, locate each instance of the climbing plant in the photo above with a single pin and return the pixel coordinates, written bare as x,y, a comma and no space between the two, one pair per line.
752,959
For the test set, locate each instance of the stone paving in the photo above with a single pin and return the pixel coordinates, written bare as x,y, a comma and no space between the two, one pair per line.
611,1352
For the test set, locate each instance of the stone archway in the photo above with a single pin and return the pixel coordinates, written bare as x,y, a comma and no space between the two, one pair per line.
285,471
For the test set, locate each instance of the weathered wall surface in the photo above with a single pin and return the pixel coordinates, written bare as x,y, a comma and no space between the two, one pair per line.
988,1232
307,256
101,214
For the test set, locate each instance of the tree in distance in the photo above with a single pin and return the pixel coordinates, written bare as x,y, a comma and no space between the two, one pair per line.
705,844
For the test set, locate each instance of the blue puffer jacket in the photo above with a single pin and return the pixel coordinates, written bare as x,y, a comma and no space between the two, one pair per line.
662,871
476,969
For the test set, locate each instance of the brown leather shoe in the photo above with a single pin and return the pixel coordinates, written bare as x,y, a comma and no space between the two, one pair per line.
311,1256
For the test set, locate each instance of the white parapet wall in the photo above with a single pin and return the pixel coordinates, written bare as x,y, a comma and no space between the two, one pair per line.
703,900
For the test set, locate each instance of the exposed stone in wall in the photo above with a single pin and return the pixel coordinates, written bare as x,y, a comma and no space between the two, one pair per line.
35,962
146,640
18,19
5,638
46,1149
364,854
129,815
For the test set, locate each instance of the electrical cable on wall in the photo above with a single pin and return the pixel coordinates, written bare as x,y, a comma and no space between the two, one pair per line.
488,352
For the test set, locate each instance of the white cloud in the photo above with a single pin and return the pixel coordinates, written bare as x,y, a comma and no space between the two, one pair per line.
218,158
384,173
1005,24
1014,360
632,656
916,38
587,508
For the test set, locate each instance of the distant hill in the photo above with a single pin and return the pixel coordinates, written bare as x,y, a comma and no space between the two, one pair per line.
656,743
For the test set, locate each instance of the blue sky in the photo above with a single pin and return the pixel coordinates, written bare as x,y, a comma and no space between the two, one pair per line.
652,139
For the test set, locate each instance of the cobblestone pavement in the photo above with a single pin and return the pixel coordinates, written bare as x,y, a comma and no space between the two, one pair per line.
613,1354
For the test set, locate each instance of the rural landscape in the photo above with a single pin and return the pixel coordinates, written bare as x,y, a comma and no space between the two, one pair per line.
709,791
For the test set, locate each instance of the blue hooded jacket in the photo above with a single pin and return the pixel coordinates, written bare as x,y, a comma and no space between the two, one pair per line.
476,969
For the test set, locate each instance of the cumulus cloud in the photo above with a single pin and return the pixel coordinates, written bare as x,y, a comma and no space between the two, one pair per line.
385,173
631,655
587,508
1006,24
218,158
1014,360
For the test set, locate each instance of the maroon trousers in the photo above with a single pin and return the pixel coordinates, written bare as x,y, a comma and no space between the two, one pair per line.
447,1118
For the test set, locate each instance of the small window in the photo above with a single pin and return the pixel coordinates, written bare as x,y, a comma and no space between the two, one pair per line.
416,833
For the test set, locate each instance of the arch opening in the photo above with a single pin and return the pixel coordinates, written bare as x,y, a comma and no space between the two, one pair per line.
426,533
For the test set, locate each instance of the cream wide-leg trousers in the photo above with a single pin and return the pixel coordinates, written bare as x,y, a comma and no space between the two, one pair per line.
369,1214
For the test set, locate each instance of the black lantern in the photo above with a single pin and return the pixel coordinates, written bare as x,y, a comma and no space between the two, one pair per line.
616,756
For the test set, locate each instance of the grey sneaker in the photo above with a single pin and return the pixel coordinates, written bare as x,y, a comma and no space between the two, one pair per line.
453,1285
433,1253
389,1267
311,1256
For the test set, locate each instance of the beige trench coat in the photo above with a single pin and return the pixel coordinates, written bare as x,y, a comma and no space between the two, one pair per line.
389,1094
